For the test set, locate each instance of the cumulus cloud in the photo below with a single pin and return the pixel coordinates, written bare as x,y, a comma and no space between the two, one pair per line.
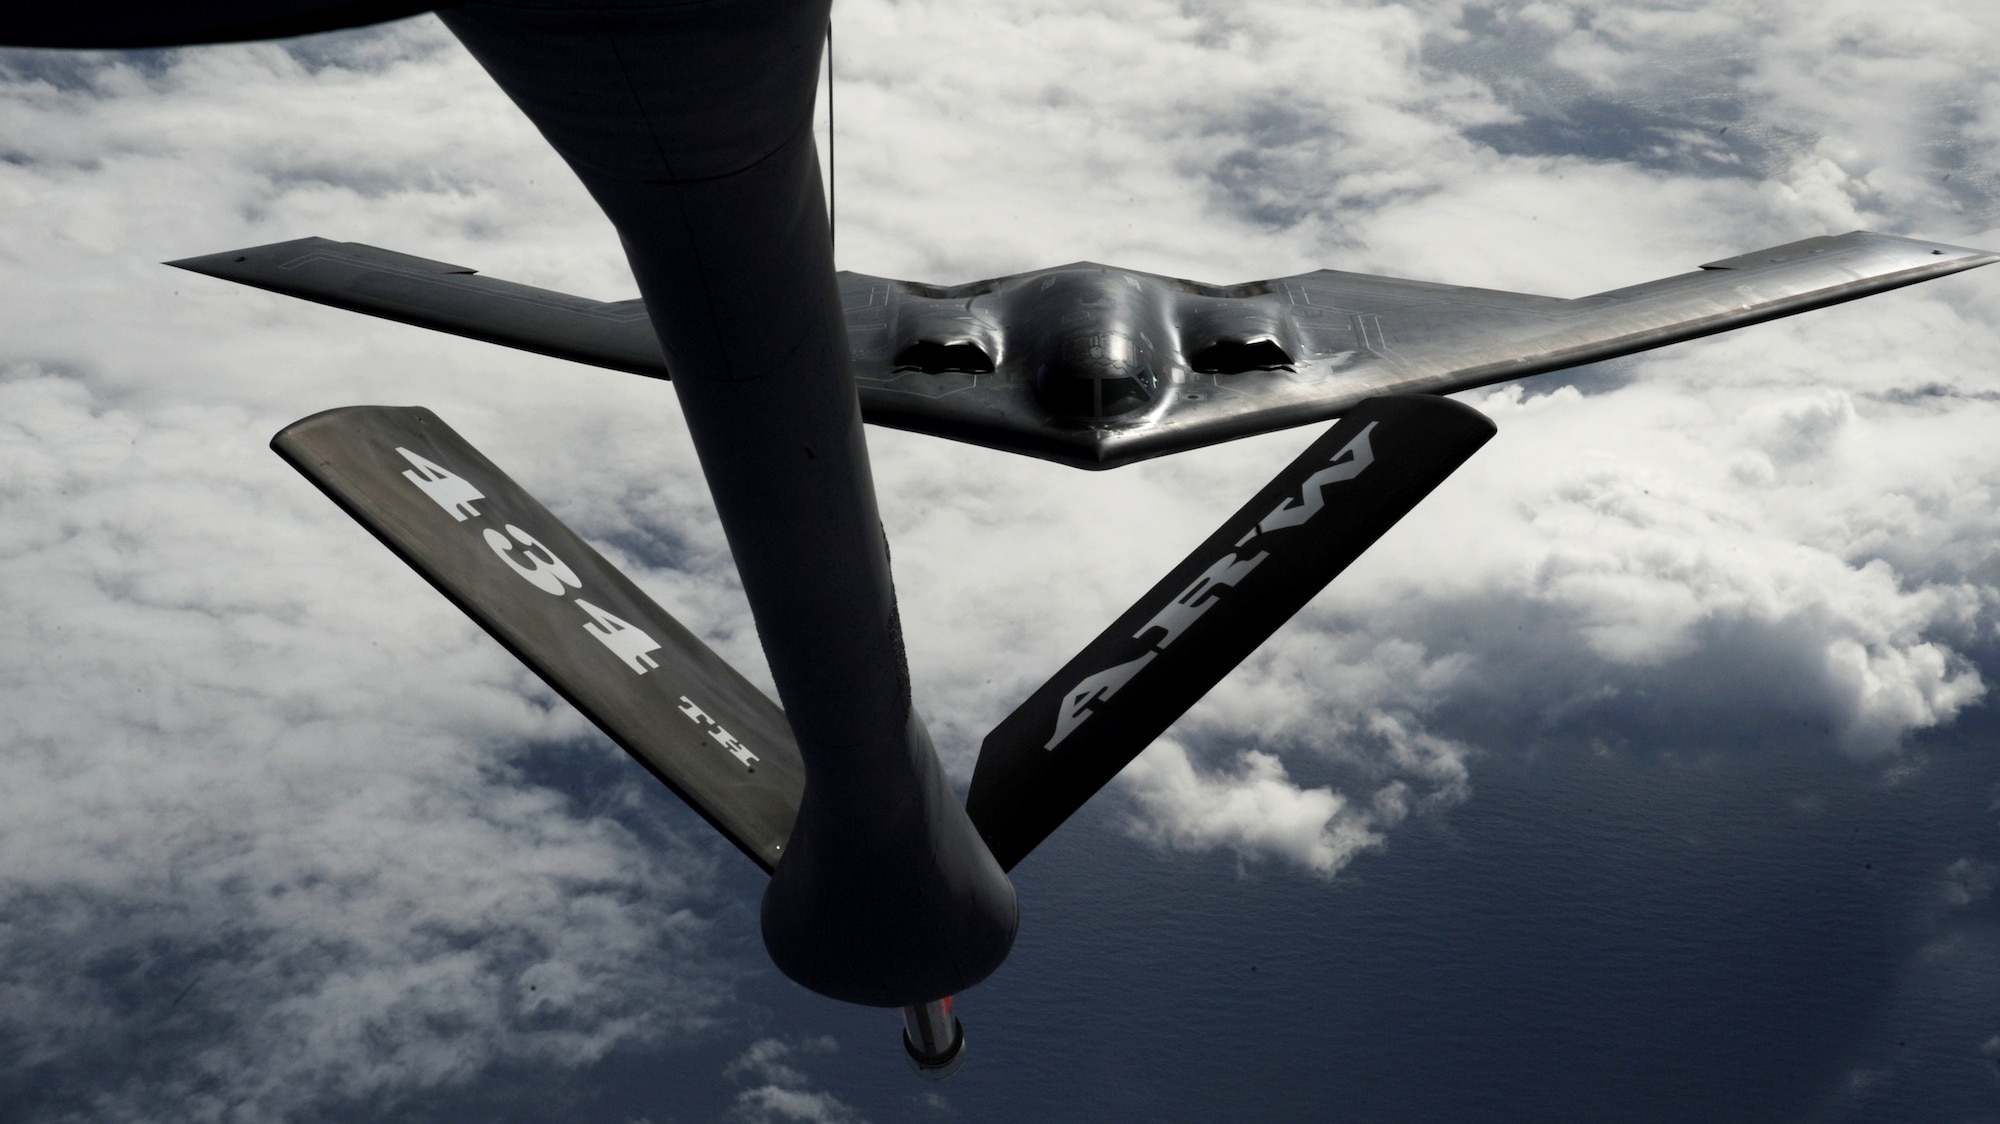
779,1090
1256,809
1679,583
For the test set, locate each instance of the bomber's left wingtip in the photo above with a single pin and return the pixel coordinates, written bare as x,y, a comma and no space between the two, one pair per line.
1885,253
1968,255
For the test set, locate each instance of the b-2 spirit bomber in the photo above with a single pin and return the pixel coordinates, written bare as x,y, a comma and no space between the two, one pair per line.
690,126
1097,367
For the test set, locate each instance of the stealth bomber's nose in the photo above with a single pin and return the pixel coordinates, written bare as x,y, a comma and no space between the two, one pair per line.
1095,375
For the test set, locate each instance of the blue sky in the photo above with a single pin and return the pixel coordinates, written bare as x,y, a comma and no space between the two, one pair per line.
262,787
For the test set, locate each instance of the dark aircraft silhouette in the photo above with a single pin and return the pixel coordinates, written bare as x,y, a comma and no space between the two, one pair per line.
690,124
1096,367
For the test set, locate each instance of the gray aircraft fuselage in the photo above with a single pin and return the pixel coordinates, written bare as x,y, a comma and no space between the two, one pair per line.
1102,346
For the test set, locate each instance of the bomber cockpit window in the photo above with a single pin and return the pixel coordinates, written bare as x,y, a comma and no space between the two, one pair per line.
1093,398
1121,396
1075,398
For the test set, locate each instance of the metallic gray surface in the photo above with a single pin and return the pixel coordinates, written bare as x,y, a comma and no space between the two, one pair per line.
449,298
1350,335
691,720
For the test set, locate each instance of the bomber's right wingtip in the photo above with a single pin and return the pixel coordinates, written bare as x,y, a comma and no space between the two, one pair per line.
238,265
212,265
258,265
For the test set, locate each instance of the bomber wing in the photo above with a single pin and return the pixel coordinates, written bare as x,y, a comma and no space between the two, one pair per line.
1350,336
448,298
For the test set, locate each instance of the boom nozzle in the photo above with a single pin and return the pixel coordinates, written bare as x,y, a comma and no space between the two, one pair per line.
934,1039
